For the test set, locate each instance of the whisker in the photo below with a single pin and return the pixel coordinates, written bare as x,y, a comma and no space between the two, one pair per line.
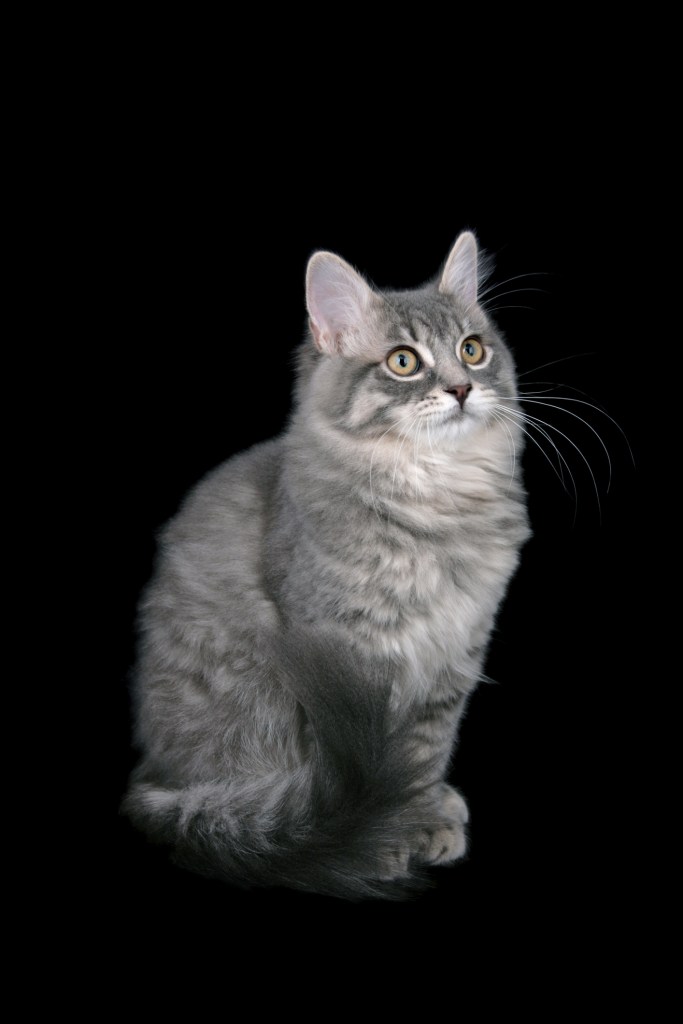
429,440
496,309
553,362
551,426
511,445
509,280
404,435
550,405
559,473
591,405
556,384
415,441
391,427
545,391
514,291
418,490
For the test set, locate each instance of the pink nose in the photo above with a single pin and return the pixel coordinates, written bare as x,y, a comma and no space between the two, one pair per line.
461,391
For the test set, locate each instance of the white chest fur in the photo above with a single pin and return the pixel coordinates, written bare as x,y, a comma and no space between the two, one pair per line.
421,574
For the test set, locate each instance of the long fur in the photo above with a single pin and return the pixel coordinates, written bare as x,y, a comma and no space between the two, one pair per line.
322,604
359,784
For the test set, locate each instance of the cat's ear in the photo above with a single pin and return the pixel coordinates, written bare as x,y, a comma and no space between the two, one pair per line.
338,301
460,276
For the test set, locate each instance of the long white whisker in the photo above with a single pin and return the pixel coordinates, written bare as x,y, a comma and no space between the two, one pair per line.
391,427
543,391
511,445
590,405
509,280
514,291
496,309
418,491
372,459
568,412
556,384
563,359
551,426
522,416
429,439
404,434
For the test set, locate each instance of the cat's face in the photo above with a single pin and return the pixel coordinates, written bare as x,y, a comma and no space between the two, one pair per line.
425,363
440,371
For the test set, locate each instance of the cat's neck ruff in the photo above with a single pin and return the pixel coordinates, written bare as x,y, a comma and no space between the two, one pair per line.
416,553
428,478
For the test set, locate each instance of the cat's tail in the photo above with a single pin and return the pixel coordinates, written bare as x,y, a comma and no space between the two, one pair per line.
341,824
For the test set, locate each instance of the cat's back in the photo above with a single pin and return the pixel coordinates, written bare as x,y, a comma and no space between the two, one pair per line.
232,497
206,621
210,554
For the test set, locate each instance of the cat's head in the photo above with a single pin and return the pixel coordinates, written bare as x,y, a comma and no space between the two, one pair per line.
405,360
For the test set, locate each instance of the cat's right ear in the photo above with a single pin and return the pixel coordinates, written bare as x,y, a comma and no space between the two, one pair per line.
338,302
460,273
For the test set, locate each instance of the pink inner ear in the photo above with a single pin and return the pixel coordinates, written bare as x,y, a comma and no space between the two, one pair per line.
326,341
337,297
317,334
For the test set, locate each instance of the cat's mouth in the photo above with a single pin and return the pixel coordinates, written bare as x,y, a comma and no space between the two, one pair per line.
448,410
458,412
458,418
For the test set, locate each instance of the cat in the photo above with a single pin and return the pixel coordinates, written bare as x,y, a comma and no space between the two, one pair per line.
322,603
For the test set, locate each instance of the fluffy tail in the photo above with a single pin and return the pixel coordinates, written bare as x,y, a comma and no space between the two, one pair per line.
340,825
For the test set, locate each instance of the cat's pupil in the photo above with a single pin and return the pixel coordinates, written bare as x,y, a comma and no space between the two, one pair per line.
469,349
403,359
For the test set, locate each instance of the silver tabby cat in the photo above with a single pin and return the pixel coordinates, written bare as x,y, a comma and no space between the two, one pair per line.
322,603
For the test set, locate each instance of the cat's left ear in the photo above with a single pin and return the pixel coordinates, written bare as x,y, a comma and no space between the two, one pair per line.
338,301
460,277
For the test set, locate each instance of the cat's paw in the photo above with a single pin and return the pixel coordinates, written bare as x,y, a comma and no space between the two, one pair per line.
439,839
445,840
442,844
453,805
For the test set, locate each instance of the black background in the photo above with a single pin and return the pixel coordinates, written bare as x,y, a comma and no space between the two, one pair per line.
210,233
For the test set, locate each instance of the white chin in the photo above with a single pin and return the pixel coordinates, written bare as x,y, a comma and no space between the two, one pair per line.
459,425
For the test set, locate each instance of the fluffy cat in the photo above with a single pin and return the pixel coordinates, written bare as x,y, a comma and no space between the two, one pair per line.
322,603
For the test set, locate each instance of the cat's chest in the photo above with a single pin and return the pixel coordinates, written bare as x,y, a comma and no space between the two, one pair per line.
414,568
426,602
433,604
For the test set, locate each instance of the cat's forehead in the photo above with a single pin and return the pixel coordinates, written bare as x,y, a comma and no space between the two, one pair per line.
426,316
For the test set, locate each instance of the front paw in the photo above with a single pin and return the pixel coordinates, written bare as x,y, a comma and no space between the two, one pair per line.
445,840
453,805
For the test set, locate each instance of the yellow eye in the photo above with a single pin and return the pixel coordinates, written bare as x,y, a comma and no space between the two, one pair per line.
403,361
472,351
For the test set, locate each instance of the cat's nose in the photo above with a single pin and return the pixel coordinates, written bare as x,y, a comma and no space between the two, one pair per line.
461,391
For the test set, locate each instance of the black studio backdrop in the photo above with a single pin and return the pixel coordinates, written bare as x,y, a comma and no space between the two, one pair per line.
209,308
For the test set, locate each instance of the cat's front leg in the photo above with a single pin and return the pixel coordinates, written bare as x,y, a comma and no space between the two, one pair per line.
441,838
436,834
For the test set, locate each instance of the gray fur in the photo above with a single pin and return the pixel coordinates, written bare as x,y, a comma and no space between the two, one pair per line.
322,604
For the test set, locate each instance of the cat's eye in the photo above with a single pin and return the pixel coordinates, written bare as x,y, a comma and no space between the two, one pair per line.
472,351
403,361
